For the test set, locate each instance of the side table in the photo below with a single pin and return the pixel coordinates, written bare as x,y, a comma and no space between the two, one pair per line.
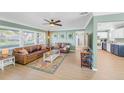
5,61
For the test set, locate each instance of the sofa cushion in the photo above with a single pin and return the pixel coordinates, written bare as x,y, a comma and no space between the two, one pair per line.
31,49
34,48
56,46
63,45
38,47
59,44
44,46
44,50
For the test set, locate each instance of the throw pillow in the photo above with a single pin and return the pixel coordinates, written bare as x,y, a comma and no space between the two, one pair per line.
23,51
29,50
64,48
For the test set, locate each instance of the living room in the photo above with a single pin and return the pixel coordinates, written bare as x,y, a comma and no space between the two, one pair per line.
49,45
61,46
23,44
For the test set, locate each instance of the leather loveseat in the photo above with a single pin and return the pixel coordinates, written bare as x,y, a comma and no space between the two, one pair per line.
64,47
34,52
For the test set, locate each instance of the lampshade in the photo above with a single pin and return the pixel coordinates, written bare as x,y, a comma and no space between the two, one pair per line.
5,52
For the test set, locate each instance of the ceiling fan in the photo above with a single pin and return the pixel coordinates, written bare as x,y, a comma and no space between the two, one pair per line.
53,22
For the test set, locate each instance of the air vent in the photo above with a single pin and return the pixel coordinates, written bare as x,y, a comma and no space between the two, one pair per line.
119,26
84,13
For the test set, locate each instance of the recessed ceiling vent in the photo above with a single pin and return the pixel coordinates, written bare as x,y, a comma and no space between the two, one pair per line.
84,13
119,26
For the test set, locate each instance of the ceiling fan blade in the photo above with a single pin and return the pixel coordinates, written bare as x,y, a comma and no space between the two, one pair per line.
58,24
46,20
57,21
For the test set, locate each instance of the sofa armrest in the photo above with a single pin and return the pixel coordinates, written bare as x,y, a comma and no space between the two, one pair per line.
20,58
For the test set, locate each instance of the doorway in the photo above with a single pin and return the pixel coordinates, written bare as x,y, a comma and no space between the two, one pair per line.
110,47
81,39
110,33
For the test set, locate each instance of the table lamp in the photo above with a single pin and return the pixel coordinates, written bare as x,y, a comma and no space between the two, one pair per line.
5,52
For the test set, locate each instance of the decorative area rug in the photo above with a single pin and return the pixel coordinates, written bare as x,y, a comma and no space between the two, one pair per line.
48,67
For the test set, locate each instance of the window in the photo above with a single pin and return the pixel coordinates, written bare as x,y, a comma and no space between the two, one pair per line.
9,38
40,38
28,38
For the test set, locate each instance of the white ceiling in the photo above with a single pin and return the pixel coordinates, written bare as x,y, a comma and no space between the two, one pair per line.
104,13
110,25
70,20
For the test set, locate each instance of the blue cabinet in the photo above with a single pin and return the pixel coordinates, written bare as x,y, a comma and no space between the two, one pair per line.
112,48
117,50
121,50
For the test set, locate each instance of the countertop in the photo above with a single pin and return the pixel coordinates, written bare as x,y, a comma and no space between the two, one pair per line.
115,43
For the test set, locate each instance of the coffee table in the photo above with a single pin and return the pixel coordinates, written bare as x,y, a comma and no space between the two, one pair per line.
51,55
5,61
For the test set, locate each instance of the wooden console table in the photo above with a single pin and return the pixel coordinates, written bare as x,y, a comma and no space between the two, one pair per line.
86,57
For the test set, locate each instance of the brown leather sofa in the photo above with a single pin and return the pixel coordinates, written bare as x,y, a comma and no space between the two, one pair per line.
34,52
64,47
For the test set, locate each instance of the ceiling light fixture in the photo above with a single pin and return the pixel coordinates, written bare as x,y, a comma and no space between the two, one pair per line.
52,25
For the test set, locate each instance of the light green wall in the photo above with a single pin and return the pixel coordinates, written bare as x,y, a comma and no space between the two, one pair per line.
104,18
66,38
5,25
92,36
15,25
89,29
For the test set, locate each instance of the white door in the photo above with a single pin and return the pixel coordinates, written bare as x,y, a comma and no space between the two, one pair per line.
79,39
